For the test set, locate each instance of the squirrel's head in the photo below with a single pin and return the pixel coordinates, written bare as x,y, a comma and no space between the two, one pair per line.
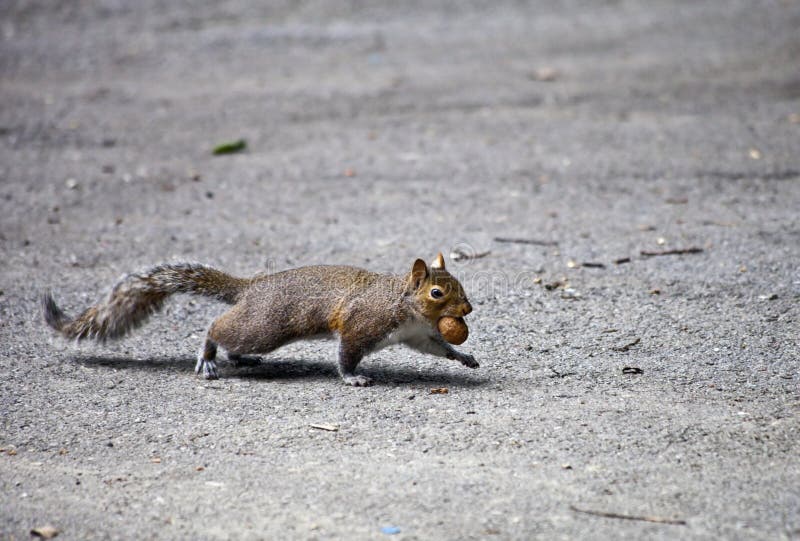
436,292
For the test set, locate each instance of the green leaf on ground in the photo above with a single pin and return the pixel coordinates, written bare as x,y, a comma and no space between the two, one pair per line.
230,147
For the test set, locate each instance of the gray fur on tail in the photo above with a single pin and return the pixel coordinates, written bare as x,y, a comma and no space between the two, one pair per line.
137,296
53,315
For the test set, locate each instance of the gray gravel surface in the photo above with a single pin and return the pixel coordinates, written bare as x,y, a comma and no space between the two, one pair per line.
377,133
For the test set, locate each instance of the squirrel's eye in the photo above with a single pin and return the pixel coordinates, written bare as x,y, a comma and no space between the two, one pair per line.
436,293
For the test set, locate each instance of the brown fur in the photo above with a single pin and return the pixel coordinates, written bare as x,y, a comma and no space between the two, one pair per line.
361,307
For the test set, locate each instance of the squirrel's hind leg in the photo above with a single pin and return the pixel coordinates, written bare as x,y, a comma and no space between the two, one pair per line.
206,364
350,354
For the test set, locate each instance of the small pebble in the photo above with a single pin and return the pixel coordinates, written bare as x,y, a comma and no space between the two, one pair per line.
544,75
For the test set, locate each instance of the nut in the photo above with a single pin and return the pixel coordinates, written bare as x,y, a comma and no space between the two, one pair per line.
453,329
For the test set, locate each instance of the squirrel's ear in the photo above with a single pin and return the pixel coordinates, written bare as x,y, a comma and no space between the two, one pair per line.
418,273
438,263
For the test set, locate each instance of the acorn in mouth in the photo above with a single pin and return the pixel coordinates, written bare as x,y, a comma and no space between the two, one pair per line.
453,329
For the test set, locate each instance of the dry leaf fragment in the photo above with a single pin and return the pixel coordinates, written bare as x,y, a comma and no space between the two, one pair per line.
440,390
677,200
460,255
44,532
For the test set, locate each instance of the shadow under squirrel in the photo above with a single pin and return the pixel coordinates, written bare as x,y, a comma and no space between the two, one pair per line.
365,310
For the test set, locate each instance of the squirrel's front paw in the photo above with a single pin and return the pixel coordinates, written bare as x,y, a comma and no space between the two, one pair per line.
468,361
357,381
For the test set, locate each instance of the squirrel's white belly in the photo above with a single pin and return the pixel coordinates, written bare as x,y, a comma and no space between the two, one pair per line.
411,331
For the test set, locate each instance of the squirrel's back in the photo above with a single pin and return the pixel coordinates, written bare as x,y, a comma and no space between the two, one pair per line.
316,299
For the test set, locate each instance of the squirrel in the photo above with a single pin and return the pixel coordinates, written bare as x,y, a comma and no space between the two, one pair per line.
367,311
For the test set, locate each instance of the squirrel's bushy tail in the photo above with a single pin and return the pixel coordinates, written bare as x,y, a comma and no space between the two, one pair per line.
136,296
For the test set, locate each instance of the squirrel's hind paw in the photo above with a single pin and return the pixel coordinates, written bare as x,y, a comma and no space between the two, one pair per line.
357,381
207,368
237,360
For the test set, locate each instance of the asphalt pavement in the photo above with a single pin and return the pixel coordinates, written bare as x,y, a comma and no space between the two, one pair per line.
616,184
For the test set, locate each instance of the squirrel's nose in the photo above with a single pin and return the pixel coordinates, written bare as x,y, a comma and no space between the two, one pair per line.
466,308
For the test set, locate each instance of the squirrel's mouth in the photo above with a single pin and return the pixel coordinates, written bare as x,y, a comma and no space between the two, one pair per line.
457,312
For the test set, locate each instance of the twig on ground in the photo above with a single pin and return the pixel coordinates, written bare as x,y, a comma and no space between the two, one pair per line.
627,346
328,428
678,251
527,241
622,260
681,438
721,224
593,265
557,374
659,520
